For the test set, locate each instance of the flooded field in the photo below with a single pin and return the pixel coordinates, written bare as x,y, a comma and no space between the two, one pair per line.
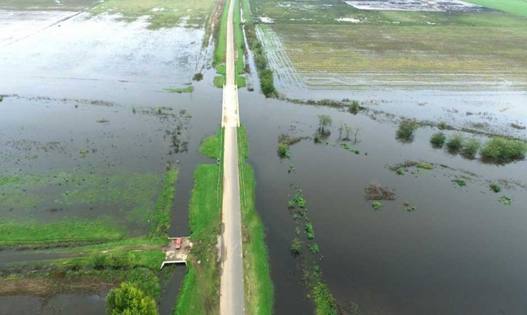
96,108
429,251
89,127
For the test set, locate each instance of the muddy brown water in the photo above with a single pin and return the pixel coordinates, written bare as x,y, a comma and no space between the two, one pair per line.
460,252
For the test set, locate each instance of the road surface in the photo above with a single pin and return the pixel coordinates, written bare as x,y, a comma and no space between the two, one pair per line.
231,291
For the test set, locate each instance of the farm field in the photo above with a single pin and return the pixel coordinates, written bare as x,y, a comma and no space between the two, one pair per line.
329,44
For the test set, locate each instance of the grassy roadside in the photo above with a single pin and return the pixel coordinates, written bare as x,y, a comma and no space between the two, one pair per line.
221,49
199,293
259,298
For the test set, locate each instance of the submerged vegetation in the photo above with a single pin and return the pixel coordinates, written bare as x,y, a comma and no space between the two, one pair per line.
161,215
284,142
503,150
160,13
470,148
405,133
455,143
324,128
438,140
179,90
309,253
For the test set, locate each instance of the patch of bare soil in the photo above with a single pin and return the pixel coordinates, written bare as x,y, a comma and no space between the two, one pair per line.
378,192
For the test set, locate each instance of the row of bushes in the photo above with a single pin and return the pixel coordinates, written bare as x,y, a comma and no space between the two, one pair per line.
264,72
497,149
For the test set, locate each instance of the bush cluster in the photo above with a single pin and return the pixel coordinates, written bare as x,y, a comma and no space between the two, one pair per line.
503,150
438,140
406,130
264,73
496,150
455,143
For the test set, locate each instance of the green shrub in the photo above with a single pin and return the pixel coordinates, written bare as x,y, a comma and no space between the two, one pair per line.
283,150
507,201
459,182
144,279
198,76
310,233
296,246
443,125
297,201
503,150
438,140
376,204
455,143
470,148
406,130
314,248
495,187
354,107
425,165
267,83
128,299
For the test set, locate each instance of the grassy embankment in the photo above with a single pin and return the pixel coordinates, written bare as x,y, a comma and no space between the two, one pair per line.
199,293
259,297
262,66
221,49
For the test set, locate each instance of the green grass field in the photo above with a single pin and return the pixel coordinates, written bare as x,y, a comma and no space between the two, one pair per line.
516,7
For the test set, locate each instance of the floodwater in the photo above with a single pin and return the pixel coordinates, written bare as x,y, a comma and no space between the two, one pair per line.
85,110
59,304
460,252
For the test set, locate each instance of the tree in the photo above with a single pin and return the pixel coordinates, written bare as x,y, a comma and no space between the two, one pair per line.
128,299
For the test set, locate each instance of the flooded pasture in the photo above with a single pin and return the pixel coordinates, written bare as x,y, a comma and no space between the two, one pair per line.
88,129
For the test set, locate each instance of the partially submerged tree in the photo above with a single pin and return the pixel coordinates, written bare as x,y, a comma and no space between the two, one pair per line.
323,130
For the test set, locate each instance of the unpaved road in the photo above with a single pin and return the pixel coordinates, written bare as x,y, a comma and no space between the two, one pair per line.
231,291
